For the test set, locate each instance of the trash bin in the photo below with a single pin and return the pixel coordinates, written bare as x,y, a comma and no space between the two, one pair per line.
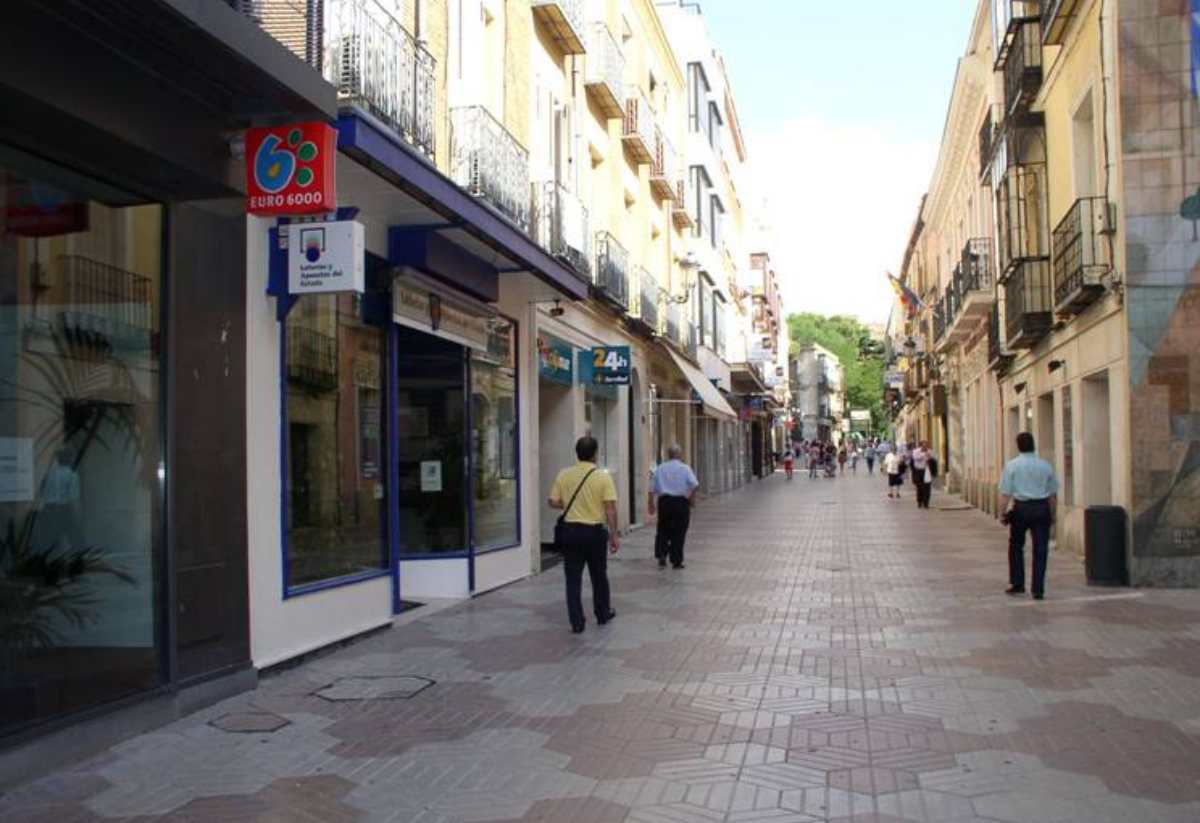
1104,546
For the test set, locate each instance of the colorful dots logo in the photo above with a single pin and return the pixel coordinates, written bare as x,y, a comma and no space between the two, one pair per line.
276,165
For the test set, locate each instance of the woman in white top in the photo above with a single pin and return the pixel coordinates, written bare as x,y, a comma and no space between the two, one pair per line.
893,466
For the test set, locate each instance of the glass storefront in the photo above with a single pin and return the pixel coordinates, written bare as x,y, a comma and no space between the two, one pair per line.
81,430
494,440
336,469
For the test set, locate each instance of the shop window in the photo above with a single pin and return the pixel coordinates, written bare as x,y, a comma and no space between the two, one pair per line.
336,500
494,482
1068,435
81,423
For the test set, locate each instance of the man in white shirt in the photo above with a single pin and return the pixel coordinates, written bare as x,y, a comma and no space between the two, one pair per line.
893,467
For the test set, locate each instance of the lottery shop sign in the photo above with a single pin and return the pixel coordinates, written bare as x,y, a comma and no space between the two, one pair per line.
290,169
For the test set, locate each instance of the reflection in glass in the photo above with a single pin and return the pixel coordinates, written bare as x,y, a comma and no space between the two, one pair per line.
494,439
337,501
80,427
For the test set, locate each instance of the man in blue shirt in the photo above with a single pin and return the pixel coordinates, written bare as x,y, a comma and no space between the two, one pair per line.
671,494
1028,499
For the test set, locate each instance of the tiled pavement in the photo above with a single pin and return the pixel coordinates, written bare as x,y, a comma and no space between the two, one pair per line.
826,655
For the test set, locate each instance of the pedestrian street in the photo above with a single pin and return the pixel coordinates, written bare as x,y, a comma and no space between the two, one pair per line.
826,655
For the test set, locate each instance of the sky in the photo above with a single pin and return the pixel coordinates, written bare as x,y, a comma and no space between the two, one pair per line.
842,104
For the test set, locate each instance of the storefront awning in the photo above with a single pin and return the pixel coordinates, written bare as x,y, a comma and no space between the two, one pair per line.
714,404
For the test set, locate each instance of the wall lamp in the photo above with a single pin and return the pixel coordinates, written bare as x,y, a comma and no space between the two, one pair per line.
1019,387
1055,365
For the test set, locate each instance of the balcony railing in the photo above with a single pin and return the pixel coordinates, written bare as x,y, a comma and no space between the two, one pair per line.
563,19
604,70
612,271
560,226
311,359
649,295
487,161
691,340
939,320
999,356
106,305
671,322
366,53
1021,216
1010,15
1028,306
662,170
987,145
1023,69
638,128
684,194
1081,257
1056,16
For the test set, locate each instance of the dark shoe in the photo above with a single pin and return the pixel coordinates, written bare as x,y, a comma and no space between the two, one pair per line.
1039,596
578,629
679,566
1015,590
602,620
662,562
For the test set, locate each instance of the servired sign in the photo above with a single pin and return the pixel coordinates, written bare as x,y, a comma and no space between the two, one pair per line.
290,169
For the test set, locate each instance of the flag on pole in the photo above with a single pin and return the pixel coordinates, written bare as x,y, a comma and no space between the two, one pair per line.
907,296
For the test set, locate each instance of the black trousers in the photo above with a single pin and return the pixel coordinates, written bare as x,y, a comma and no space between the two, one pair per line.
924,490
1029,516
586,546
674,517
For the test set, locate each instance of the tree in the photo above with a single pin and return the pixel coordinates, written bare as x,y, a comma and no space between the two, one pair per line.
861,356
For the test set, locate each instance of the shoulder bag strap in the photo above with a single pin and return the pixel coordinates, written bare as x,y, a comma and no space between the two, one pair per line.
562,517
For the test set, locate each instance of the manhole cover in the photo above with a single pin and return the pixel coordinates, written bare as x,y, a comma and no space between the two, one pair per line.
249,722
386,687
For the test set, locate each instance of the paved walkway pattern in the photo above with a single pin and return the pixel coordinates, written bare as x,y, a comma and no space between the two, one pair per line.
825,656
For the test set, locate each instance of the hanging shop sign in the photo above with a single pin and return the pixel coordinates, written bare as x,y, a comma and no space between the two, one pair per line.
291,169
419,306
611,365
326,257
587,377
554,360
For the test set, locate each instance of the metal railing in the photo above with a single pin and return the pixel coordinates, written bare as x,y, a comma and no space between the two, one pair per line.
1021,216
998,352
487,161
671,322
112,298
691,340
1023,68
939,319
375,62
1010,15
1056,16
311,358
605,64
560,225
1080,256
649,295
638,124
1027,298
976,267
986,144
612,269
662,170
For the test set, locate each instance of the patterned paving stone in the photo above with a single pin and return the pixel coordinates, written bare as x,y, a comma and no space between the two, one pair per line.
824,657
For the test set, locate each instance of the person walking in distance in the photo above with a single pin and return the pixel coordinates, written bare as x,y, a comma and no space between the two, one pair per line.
1028,500
869,456
893,466
841,458
919,460
816,456
672,494
789,464
588,499
854,455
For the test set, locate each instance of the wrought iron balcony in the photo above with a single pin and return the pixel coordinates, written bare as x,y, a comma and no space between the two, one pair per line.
671,320
987,144
563,20
662,170
560,226
605,66
1021,216
684,195
648,297
1028,303
1056,16
1081,257
999,356
311,359
1010,15
487,161
612,271
939,321
366,53
103,305
973,289
638,130
1023,68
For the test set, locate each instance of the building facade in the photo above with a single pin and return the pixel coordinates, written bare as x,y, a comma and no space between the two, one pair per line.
818,394
1057,262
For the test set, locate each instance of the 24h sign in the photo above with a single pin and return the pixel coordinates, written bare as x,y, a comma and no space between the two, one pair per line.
610,365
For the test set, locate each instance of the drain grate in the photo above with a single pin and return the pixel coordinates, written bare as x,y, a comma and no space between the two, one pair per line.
249,722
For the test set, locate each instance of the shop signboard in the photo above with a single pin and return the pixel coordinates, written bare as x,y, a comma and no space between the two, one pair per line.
291,169
894,379
555,360
35,209
426,310
587,377
326,257
611,365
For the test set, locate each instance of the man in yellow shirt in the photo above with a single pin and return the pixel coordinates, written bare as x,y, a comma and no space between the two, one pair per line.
588,497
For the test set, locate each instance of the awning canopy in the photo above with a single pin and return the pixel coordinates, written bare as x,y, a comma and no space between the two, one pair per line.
714,404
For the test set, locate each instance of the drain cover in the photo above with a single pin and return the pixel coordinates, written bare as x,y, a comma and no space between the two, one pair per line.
249,722
387,687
